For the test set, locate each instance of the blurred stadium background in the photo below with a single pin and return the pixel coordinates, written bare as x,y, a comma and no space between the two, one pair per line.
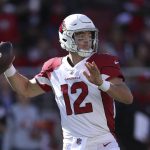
32,27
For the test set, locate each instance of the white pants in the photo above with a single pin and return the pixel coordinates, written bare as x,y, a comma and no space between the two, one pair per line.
105,142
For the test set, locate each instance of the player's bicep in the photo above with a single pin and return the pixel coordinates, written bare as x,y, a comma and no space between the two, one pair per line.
34,88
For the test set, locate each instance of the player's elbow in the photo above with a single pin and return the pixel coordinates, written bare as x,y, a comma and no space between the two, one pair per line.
126,98
29,94
129,99
24,94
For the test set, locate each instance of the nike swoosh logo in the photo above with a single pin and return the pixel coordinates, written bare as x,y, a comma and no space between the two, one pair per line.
106,144
116,62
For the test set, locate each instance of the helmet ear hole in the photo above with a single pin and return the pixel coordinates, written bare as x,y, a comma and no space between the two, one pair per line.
93,34
64,40
73,36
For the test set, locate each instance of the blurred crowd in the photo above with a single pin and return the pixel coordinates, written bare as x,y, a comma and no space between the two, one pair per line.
32,27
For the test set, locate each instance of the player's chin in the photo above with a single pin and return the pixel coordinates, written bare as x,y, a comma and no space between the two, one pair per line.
86,48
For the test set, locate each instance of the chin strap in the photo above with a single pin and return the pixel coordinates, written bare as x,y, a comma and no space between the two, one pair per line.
85,53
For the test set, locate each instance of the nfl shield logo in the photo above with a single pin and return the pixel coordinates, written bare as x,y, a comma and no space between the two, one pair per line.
79,141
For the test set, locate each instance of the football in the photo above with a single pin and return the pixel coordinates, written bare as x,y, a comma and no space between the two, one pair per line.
6,56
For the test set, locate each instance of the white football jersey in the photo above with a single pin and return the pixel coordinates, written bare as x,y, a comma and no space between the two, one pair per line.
85,110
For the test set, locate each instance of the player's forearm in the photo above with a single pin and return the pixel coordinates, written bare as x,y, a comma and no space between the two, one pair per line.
120,93
19,84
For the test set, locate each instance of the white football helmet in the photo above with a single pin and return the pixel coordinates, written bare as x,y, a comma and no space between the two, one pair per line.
73,24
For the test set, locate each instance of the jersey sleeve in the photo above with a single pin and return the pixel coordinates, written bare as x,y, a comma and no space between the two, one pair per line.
112,68
42,78
108,65
112,73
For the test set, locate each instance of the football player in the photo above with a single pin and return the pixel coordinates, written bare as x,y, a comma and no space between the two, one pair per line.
85,85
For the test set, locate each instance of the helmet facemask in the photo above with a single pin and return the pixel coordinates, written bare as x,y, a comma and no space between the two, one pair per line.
89,43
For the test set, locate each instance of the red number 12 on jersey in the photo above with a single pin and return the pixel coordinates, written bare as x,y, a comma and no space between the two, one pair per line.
76,105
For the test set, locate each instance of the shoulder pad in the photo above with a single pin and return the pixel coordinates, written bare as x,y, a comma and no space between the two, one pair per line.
52,64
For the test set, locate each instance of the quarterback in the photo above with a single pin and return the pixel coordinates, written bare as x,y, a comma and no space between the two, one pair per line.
85,85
